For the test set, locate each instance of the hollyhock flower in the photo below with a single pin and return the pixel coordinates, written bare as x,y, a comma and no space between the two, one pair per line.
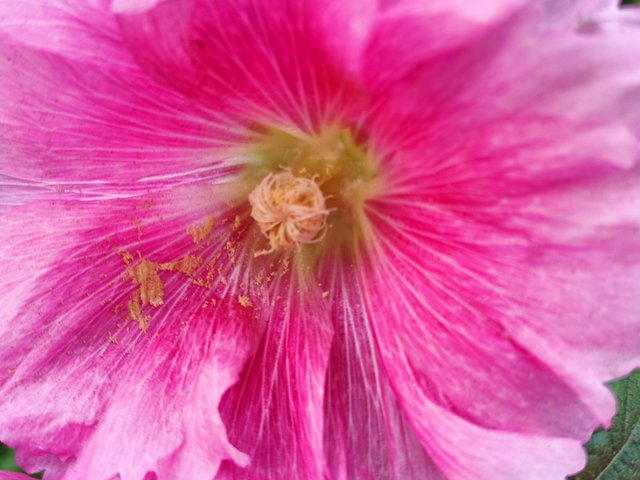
265,239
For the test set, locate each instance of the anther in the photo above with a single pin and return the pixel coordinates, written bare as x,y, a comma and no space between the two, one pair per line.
289,210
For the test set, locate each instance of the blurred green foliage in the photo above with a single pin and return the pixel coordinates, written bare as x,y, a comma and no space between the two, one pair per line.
7,462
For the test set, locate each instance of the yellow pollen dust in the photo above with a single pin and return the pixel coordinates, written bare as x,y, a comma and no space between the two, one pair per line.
289,210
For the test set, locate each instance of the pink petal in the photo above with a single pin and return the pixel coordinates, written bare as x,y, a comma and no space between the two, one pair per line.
102,131
589,270
230,55
13,476
163,416
409,33
455,94
568,13
481,406
467,293
164,41
80,375
345,29
546,337
514,218
464,352
367,434
275,412
133,6
74,29
464,451
506,250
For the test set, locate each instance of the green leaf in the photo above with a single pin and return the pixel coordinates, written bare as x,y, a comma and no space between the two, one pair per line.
7,462
615,454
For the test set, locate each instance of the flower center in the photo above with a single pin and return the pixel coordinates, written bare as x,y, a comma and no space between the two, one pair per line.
289,210
308,188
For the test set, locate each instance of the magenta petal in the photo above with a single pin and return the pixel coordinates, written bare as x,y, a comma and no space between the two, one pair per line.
511,272
102,131
491,454
275,412
568,13
80,373
535,196
410,32
484,435
164,40
564,114
465,331
74,29
345,29
14,476
588,270
165,418
133,6
507,226
229,56
367,434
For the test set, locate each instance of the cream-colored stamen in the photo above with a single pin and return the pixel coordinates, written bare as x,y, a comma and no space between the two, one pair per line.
289,210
